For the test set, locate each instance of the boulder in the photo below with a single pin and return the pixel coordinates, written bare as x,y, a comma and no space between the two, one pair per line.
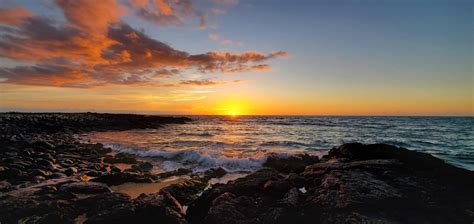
187,191
295,163
117,178
162,208
121,158
214,173
85,188
4,185
70,171
143,166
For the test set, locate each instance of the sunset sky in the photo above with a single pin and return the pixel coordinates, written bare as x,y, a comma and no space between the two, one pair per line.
303,57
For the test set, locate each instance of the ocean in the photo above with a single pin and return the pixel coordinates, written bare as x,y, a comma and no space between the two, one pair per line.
242,143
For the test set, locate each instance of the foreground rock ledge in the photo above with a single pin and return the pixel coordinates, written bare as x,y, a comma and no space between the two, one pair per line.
355,183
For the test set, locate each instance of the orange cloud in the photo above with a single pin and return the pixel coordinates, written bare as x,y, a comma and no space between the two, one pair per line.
164,12
164,7
14,15
87,52
91,15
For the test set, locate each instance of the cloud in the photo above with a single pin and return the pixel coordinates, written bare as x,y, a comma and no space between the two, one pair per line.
13,15
202,82
91,15
227,42
166,72
214,36
223,41
205,82
167,13
90,51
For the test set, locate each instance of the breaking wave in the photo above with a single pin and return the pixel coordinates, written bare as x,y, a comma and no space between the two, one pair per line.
194,160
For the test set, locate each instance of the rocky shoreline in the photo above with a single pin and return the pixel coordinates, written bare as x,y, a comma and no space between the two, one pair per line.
48,176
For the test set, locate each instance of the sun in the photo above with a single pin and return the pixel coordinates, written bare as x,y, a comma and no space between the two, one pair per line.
233,114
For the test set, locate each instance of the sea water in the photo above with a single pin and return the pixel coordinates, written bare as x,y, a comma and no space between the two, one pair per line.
242,143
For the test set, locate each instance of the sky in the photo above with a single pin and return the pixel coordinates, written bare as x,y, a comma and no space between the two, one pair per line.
265,57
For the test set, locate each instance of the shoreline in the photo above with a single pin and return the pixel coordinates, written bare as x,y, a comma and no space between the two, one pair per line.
48,176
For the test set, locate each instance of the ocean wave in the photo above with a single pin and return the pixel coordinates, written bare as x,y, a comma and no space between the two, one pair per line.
197,161
285,143
304,123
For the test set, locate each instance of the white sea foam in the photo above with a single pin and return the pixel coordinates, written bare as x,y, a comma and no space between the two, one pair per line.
195,160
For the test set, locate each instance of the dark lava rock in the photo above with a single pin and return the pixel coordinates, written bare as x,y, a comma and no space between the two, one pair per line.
143,166
46,164
39,172
4,185
70,171
178,172
38,179
121,158
187,191
295,163
124,177
229,208
214,173
154,208
250,186
57,175
43,144
93,173
85,188
100,202
358,184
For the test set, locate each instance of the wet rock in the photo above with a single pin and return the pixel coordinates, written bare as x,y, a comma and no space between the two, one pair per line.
251,186
94,173
214,173
289,164
291,198
276,186
162,208
143,166
48,189
70,171
85,188
187,191
57,175
100,202
46,164
178,172
39,172
38,179
124,177
4,185
228,208
43,144
115,169
55,217
121,158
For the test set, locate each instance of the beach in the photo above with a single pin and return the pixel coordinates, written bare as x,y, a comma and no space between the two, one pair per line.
54,169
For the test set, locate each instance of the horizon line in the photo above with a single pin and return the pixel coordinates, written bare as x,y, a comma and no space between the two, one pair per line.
243,115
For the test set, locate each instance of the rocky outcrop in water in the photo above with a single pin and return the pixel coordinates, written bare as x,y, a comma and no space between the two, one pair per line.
355,183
